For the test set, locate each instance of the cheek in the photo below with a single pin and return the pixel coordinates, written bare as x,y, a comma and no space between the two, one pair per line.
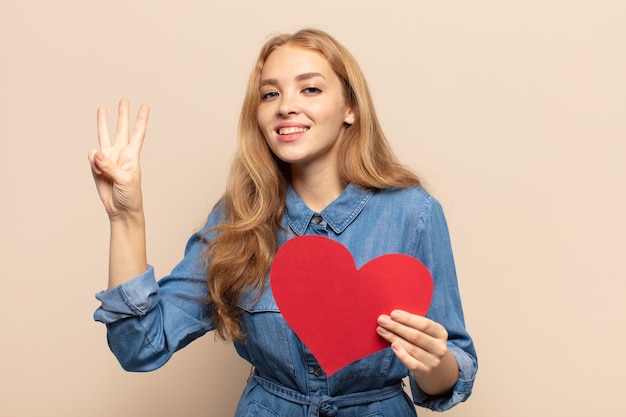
262,119
333,119
324,114
332,111
264,126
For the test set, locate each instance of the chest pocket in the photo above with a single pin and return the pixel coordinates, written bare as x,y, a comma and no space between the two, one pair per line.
270,344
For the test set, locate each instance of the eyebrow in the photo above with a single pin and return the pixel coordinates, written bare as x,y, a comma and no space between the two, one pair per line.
300,77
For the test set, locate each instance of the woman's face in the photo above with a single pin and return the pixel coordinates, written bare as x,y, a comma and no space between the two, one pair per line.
302,109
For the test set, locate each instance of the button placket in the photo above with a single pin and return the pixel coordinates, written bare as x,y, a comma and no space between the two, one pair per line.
318,225
317,378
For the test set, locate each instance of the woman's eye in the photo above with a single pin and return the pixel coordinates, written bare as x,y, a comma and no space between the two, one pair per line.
312,90
269,95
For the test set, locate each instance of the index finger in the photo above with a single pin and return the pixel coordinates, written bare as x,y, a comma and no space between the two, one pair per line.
121,135
421,323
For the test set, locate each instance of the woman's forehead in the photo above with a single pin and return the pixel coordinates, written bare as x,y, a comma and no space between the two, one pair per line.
292,61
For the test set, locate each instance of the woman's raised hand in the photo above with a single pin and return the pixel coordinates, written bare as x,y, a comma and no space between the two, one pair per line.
115,166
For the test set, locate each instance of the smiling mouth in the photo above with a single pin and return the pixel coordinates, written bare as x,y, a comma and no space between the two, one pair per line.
291,130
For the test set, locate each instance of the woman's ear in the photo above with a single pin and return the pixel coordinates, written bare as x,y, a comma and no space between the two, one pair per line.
350,117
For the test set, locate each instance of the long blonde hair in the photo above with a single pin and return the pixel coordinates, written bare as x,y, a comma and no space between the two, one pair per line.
242,250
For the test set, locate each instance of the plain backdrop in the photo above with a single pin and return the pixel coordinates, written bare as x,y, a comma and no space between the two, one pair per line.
514,112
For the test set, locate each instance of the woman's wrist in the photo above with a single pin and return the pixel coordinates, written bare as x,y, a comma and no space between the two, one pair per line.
443,379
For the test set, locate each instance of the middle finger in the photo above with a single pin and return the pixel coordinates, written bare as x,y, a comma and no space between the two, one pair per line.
123,122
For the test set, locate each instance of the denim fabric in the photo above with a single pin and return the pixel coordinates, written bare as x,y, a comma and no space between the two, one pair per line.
147,321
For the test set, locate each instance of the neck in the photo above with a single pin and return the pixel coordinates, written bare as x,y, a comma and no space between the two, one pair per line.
317,189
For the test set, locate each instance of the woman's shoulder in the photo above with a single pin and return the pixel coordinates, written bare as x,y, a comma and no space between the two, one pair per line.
413,200
414,194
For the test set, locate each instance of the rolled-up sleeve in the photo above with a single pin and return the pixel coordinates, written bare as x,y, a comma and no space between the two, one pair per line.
147,320
131,299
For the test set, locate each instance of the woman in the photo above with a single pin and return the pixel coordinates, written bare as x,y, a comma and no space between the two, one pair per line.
312,159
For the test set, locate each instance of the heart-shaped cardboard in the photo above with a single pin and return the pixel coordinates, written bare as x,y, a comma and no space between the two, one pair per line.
333,307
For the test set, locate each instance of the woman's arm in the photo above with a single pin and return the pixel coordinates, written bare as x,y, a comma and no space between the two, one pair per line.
437,349
117,174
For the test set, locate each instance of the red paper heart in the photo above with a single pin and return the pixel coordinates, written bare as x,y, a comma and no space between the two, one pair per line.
333,307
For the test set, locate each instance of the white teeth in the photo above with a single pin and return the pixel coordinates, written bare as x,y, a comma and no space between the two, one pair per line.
291,130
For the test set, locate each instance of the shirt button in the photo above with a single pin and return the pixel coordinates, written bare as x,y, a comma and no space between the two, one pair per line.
317,219
317,371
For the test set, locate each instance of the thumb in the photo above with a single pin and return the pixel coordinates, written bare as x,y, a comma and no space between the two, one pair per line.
103,165
92,161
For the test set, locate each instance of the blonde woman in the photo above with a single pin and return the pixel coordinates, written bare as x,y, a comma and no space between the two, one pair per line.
312,159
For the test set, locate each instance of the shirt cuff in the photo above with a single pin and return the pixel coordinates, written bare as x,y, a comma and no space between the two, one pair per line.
131,299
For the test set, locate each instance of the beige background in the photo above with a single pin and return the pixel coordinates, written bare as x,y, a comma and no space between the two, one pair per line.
513,111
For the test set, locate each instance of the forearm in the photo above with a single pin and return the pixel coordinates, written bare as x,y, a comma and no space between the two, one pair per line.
127,251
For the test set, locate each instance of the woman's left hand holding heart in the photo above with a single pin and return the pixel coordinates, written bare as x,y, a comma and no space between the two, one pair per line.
421,345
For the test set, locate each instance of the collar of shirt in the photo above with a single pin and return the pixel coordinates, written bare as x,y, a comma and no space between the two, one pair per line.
338,214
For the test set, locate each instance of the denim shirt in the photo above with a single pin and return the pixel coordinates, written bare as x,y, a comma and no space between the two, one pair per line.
147,321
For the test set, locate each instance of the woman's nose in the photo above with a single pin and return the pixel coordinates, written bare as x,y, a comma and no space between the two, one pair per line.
288,105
